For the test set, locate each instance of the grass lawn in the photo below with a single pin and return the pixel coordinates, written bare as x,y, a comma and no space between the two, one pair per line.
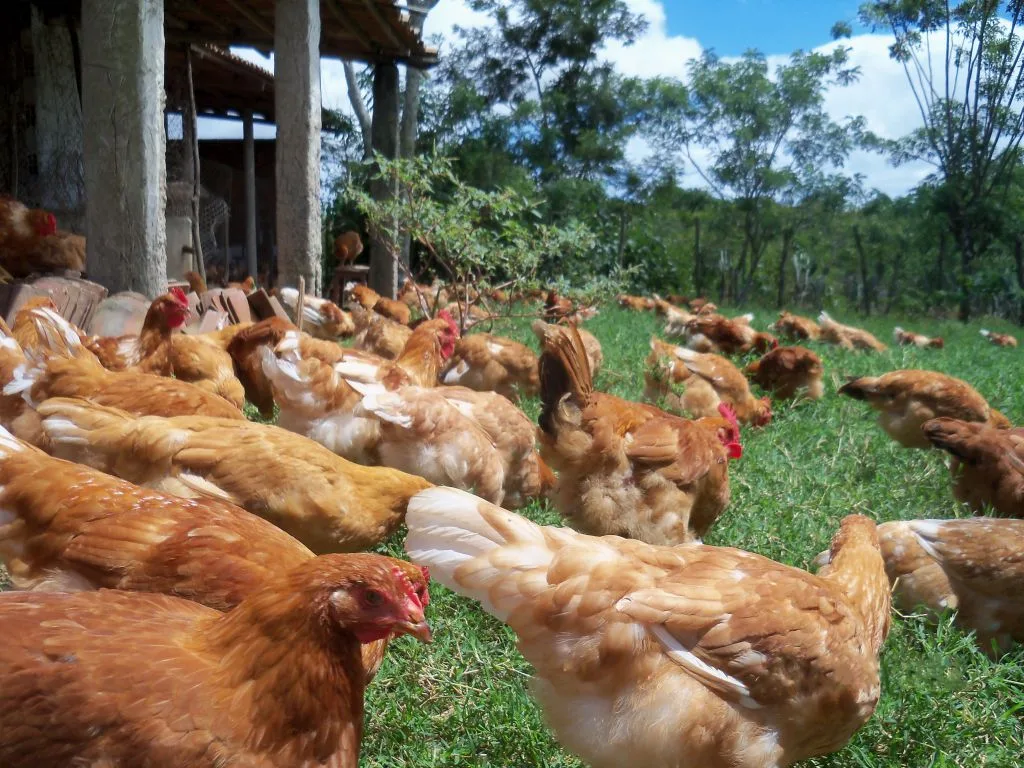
463,700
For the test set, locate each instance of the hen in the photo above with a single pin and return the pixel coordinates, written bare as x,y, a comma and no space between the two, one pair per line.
796,327
376,334
676,319
906,399
277,681
626,468
718,334
789,371
150,351
973,566
203,360
635,303
672,657
347,247
669,384
326,502
987,464
846,336
30,241
911,339
1000,339
66,369
493,364
244,349
320,317
728,382
24,330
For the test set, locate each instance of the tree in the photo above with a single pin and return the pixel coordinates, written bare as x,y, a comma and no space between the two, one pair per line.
759,138
963,61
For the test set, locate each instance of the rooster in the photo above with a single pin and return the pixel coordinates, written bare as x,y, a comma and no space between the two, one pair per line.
906,399
277,681
625,468
656,656
150,351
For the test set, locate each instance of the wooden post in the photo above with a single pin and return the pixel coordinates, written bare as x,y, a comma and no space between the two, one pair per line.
249,163
192,119
300,303
383,258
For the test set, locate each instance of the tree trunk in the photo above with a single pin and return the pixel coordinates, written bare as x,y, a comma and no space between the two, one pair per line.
1018,257
383,252
407,135
355,98
698,260
865,289
940,265
787,243
966,266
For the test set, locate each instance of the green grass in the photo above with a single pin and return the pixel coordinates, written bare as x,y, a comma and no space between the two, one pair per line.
463,701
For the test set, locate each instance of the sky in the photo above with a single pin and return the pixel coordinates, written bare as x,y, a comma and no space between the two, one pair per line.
679,30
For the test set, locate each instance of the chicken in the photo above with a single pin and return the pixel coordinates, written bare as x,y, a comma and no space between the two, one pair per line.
16,414
702,305
987,463
676,319
714,372
150,351
669,384
846,336
906,399
557,307
320,318
347,247
247,286
789,371
796,327
973,566
467,318
671,657
625,468
30,241
493,364
324,501
1000,339
526,475
717,334
196,283
203,362
71,370
636,303
24,331
376,334
244,351
362,294
595,355
277,681
911,339
394,310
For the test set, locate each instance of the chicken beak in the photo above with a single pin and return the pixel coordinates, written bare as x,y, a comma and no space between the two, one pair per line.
418,629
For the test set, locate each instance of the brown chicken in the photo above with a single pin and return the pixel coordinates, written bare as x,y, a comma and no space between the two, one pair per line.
727,381
467,318
150,351
31,243
244,351
718,334
347,247
363,295
376,334
24,331
203,361
1000,339
676,319
971,566
394,310
987,464
557,307
669,384
327,503
16,414
911,339
846,336
70,370
789,371
907,399
489,363
796,327
636,303
595,355
684,656
626,468
196,283
277,681
320,317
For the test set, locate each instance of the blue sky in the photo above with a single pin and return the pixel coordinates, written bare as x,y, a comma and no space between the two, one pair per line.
772,26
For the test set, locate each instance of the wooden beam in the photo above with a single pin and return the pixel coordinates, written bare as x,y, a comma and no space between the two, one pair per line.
193,118
385,24
258,21
346,21
198,10
249,166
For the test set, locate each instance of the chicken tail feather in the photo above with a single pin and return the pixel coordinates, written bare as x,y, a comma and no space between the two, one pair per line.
858,389
564,369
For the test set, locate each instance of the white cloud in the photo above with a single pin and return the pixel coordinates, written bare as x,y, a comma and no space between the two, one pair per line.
655,52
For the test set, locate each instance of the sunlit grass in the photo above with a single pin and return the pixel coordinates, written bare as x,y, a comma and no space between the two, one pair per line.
463,701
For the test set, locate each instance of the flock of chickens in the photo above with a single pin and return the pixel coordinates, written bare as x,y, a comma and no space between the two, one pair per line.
191,587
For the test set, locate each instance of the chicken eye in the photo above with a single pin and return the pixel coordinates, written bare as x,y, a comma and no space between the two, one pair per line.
373,598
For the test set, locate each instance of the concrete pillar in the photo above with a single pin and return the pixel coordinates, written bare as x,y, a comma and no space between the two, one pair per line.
383,255
125,171
249,164
297,106
58,121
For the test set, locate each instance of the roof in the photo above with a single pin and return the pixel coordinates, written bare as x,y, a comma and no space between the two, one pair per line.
223,83
364,30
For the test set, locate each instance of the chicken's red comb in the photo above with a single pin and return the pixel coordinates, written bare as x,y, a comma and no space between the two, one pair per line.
179,295
425,600
728,413
410,591
445,315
